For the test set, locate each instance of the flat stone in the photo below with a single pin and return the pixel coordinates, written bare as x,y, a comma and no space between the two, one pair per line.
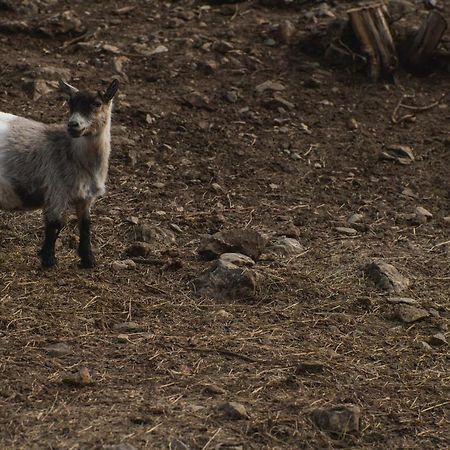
123,265
422,215
285,246
234,411
82,377
237,259
339,419
139,249
355,218
405,300
58,350
152,233
347,231
128,327
409,314
438,339
247,242
401,154
270,85
386,277
309,367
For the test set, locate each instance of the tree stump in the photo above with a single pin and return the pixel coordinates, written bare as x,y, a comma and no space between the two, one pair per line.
424,43
371,27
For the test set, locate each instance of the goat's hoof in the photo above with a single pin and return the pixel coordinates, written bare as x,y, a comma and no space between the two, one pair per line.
48,262
88,263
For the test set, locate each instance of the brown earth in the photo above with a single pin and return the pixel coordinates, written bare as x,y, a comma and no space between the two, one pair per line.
216,165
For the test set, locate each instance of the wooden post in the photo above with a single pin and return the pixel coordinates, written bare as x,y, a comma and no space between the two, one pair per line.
371,28
425,42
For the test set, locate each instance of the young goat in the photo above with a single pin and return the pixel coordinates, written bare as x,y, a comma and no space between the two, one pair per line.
54,167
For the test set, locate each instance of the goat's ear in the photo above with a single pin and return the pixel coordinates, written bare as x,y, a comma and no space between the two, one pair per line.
67,88
111,91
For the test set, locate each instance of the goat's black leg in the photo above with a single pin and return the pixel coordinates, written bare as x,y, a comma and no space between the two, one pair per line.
84,248
47,253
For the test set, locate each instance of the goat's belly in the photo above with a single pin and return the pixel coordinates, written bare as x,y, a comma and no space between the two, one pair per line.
9,199
17,197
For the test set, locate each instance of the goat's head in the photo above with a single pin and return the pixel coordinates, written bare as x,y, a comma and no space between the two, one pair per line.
89,113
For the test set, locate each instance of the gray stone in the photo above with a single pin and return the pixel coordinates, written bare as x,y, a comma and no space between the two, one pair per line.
128,327
237,259
225,280
269,85
401,154
339,419
438,339
234,411
58,350
152,233
347,231
285,246
386,277
409,314
247,242
422,215
355,218
406,300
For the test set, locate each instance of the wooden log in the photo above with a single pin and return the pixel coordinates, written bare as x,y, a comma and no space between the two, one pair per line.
425,41
371,27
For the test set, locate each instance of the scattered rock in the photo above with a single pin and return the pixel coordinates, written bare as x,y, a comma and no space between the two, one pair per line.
237,259
409,314
222,47
422,215
387,277
286,32
66,22
151,233
38,88
447,220
123,265
222,315
80,378
352,124
158,50
309,367
213,389
139,249
234,411
231,96
277,102
399,153
405,300
58,350
355,218
269,85
285,246
347,231
226,281
128,327
197,100
438,339
247,242
340,419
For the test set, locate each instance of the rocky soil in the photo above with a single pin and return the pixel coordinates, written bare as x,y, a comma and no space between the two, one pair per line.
273,249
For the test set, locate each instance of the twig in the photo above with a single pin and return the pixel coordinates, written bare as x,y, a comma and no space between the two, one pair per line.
416,109
83,37
212,438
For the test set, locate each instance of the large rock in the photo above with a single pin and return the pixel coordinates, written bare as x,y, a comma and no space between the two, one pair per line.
225,280
386,277
340,419
247,242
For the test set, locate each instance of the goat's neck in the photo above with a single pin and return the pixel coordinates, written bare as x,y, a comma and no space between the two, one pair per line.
93,151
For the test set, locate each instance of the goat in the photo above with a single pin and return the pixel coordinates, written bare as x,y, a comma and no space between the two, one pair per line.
55,167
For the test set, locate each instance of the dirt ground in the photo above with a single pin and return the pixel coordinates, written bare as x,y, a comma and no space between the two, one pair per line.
197,150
